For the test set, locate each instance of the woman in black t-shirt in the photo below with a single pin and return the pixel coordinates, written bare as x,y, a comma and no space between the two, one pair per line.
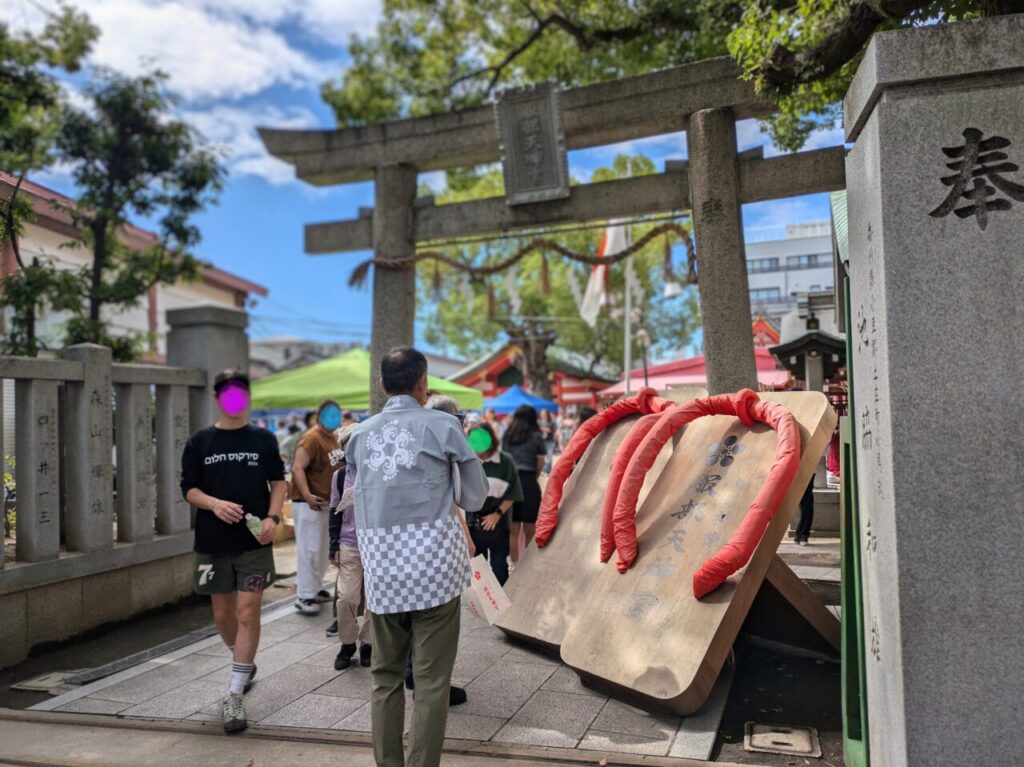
524,442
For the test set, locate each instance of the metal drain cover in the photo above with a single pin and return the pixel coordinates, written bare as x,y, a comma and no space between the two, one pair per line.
52,682
781,739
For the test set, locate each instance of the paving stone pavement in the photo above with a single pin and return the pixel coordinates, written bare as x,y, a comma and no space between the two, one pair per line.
516,695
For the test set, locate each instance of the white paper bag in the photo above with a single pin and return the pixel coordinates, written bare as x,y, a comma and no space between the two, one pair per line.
485,596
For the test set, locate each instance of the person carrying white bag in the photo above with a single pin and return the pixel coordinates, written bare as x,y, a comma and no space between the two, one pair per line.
485,596
414,554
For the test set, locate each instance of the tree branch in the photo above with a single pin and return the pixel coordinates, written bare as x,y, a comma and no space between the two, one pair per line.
9,220
785,69
497,70
599,352
585,39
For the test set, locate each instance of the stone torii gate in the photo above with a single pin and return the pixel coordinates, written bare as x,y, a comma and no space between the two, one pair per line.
705,99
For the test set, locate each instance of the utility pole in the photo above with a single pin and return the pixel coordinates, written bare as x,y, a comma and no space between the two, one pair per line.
627,356
628,323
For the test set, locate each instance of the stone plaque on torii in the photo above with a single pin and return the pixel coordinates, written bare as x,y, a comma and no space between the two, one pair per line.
533,156
704,99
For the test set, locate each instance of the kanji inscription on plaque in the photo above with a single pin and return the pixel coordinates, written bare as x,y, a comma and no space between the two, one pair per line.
533,153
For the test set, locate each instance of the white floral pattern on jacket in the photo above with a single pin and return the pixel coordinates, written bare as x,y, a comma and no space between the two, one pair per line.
390,449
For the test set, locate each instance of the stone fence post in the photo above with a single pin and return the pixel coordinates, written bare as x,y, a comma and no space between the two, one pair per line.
89,443
936,217
210,338
38,461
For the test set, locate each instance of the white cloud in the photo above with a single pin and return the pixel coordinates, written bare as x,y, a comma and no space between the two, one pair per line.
767,220
825,137
233,131
76,97
329,20
436,181
215,49
207,57
749,134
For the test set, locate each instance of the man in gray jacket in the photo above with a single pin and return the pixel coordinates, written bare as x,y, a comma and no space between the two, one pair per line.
406,461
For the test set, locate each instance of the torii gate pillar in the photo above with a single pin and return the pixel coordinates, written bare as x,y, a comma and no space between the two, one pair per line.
394,290
721,264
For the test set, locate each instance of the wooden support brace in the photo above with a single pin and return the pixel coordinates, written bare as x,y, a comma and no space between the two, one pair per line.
800,597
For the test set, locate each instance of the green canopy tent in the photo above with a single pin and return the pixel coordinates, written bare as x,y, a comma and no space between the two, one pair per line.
345,379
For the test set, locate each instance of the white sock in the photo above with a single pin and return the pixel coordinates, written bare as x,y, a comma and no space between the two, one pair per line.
239,676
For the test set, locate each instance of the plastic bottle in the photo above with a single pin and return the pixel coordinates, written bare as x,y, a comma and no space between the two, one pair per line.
255,525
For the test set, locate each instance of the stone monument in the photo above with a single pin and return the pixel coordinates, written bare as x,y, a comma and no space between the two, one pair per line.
936,213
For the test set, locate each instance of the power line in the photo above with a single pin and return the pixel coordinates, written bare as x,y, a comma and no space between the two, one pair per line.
300,321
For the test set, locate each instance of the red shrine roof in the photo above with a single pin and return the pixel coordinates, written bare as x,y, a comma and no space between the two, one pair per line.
693,371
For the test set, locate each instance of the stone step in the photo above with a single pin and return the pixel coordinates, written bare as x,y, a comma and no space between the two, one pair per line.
78,740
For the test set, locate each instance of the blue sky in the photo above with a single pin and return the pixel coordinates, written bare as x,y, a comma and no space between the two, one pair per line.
238,64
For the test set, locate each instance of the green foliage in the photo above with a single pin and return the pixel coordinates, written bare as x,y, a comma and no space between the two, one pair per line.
458,319
434,55
14,213
30,292
128,158
29,93
30,103
797,26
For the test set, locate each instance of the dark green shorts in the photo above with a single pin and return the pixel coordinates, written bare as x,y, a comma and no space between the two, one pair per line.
251,571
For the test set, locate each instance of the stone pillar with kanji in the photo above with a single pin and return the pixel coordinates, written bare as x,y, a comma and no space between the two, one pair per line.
936,221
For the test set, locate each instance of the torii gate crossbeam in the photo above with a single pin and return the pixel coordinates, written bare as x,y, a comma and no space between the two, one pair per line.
705,99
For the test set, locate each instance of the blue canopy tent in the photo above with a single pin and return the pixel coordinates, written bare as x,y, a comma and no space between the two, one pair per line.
513,397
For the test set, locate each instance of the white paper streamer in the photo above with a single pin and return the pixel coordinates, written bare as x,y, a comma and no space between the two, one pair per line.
575,286
466,287
512,288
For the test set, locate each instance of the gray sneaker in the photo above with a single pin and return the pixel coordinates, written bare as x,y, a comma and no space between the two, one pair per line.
233,713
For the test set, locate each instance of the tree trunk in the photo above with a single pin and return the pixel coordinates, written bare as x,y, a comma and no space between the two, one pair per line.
99,257
534,342
536,373
30,322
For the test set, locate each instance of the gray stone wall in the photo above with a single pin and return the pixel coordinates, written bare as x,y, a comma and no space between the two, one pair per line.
59,611
937,349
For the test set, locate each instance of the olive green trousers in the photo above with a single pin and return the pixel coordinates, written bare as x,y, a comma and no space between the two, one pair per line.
433,638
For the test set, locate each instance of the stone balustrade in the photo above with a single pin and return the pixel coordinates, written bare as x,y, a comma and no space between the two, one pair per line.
97,452
102,530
